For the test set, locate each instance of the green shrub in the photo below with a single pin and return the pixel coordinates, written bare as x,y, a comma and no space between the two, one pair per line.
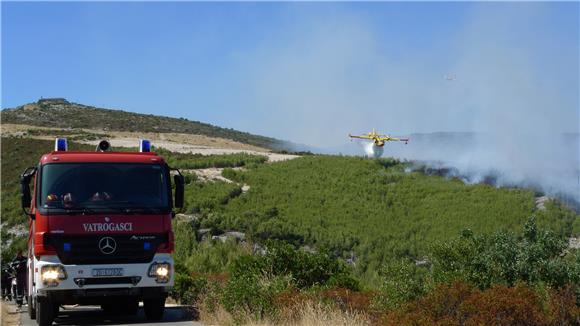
253,295
403,281
185,240
256,281
211,257
306,269
187,289
505,258
232,174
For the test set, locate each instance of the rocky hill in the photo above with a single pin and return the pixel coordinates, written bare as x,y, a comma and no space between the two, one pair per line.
60,113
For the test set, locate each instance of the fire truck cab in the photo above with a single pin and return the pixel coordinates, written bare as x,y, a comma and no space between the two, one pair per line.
100,230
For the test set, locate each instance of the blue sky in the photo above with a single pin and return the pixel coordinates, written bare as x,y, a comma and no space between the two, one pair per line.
302,71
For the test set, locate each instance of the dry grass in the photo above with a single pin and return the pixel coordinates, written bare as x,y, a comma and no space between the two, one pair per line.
217,316
318,314
307,313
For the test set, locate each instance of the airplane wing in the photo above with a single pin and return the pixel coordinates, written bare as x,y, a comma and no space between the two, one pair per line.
387,138
359,137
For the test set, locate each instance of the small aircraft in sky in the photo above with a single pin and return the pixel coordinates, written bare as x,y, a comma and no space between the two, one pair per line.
379,139
449,77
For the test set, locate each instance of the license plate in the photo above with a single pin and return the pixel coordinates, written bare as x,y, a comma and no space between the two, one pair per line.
100,272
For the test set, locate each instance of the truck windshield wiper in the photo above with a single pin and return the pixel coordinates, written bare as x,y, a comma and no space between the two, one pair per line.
127,208
79,210
137,210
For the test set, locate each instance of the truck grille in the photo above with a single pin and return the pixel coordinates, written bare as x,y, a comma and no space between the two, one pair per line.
107,280
106,248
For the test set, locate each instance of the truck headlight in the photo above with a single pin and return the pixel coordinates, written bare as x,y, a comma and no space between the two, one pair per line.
51,274
161,272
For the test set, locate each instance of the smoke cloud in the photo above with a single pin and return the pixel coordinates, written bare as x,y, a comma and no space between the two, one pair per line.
511,110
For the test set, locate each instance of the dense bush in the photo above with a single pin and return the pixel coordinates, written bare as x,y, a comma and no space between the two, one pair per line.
256,281
486,279
304,269
207,257
253,296
402,282
185,240
187,288
506,258
214,256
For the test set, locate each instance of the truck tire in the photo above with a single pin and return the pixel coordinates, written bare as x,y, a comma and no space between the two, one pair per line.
44,311
154,308
31,308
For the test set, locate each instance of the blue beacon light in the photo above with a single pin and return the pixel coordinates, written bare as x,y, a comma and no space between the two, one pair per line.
60,145
144,146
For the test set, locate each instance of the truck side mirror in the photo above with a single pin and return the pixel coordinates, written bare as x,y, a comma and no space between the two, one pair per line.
25,196
25,192
179,190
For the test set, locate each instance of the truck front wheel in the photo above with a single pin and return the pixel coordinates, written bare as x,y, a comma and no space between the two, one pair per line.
44,311
154,308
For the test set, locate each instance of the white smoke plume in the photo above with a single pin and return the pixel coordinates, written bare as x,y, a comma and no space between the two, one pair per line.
322,78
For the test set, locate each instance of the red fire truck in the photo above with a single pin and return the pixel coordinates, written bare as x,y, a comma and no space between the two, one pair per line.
100,230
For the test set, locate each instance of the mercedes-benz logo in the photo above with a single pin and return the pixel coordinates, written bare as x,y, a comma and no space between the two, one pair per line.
107,245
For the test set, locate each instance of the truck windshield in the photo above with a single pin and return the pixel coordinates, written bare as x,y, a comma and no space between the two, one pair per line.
110,186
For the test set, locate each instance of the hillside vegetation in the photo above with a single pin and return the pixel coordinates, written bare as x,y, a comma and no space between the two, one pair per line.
371,211
59,113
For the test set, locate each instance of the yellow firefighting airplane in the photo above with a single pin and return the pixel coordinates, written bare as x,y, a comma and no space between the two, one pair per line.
378,139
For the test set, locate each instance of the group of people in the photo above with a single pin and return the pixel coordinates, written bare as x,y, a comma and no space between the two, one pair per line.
14,279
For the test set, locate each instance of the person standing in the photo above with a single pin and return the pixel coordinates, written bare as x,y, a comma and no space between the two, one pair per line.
6,283
19,267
